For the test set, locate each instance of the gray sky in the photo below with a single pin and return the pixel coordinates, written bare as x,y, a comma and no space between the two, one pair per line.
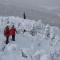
13,7
32,3
35,4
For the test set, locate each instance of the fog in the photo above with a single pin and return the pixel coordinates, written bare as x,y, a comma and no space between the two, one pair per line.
46,10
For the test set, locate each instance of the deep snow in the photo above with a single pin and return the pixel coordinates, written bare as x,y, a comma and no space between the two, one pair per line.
39,42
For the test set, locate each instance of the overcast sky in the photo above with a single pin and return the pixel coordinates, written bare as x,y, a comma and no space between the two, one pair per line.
12,7
50,5
33,3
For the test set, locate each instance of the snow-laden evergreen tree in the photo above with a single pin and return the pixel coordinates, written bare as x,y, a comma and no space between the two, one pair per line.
24,15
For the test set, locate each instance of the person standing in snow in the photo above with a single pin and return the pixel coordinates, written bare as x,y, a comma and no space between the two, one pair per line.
13,32
7,34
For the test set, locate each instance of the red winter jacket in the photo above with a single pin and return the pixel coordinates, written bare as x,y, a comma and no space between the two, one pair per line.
12,31
7,32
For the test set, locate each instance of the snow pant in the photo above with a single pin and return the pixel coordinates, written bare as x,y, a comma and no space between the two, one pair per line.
7,39
13,37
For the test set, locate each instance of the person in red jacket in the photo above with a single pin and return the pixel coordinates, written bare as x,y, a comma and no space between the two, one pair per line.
13,32
7,34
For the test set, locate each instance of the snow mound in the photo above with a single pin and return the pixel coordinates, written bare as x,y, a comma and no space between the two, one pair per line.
34,40
11,47
2,45
45,57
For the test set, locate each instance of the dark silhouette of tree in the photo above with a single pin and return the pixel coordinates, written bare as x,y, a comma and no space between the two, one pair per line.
24,15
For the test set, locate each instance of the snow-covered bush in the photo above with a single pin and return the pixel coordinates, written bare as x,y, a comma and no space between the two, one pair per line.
39,26
47,31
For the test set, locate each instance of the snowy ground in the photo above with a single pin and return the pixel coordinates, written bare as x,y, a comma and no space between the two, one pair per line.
39,42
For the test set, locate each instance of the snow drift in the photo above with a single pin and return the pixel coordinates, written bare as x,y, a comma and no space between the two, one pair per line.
38,42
